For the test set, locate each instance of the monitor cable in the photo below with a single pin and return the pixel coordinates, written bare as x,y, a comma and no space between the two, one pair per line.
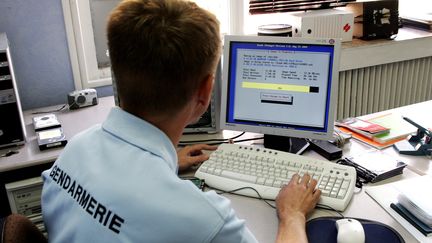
214,141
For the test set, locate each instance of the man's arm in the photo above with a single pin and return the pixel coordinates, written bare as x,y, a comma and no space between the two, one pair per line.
293,203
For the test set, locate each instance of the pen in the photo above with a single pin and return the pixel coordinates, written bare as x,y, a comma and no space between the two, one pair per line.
422,129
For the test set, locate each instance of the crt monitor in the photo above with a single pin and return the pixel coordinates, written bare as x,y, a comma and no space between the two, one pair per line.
280,87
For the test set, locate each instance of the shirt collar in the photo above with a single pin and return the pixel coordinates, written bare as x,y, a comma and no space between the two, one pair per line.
142,134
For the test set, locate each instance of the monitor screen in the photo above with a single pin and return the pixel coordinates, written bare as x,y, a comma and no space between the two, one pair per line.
280,85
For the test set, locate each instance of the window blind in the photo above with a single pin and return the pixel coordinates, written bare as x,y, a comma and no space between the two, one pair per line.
272,6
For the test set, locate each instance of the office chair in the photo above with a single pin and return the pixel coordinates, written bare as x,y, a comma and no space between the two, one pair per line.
17,228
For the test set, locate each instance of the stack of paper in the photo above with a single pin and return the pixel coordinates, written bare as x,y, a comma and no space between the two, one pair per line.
417,190
416,200
397,130
363,127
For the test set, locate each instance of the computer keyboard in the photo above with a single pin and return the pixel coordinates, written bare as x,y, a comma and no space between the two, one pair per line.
234,166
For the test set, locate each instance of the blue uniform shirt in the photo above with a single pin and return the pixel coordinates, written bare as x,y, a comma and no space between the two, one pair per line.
117,182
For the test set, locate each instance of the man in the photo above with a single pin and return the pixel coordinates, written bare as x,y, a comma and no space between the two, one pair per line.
117,182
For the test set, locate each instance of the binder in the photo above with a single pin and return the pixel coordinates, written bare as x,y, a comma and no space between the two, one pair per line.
402,211
387,194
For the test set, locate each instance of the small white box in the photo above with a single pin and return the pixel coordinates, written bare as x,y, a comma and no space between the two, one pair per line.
328,23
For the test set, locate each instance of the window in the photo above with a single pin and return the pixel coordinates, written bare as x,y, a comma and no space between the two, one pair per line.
251,22
271,6
415,7
85,22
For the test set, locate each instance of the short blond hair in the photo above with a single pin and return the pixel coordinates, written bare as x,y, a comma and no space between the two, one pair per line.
160,50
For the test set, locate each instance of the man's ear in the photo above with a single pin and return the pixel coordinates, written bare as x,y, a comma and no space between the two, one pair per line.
205,91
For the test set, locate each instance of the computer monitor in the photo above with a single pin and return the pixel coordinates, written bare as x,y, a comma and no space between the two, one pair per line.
280,87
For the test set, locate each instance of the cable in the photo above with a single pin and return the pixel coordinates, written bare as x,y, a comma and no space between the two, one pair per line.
243,188
326,207
248,139
236,141
183,143
50,111
320,206
9,153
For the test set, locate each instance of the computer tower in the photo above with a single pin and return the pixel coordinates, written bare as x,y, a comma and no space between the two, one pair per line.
12,128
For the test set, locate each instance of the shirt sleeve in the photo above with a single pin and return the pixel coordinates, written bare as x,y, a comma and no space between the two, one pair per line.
234,230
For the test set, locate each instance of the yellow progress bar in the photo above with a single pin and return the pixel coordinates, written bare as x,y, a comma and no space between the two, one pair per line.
285,87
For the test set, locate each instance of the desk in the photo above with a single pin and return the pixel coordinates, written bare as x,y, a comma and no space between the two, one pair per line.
73,122
260,218
421,114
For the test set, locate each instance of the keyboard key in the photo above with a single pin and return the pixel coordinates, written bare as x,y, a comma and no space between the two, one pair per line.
342,193
269,182
277,183
260,181
345,184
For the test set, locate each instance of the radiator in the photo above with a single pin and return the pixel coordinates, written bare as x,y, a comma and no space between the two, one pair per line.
377,88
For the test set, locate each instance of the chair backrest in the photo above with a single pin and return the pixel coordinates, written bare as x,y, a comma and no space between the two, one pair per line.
19,229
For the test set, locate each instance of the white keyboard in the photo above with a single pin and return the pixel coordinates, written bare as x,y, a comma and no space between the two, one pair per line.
234,166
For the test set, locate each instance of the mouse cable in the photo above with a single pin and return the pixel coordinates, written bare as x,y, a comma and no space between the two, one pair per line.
220,192
326,207
184,143
319,206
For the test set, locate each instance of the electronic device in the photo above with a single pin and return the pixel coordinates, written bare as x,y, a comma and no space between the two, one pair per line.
82,98
196,181
24,198
233,166
350,231
45,122
368,170
280,86
375,19
12,127
51,138
329,23
326,149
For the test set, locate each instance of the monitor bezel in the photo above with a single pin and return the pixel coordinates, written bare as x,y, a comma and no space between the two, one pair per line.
224,124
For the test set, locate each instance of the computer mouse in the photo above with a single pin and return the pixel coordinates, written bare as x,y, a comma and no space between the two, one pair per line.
350,231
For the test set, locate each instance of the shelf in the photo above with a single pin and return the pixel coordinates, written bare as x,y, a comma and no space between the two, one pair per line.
409,44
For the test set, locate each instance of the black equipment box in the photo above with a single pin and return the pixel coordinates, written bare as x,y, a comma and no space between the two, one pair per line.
375,19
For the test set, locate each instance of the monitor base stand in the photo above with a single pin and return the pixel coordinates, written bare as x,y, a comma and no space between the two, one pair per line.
288,144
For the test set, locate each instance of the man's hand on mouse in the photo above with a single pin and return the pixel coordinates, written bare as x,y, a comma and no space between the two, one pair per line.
193,155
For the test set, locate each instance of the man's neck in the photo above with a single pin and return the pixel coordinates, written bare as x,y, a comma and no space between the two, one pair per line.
172,125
